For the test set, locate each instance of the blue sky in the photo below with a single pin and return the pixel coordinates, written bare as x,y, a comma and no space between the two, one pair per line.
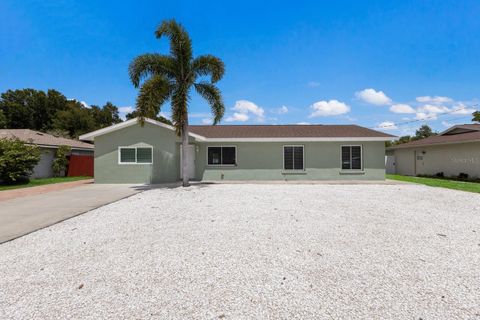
373,63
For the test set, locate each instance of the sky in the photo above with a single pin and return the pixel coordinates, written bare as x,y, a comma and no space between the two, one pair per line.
389,65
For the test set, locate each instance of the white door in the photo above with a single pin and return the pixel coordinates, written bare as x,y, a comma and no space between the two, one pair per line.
190,159
419,163
390,164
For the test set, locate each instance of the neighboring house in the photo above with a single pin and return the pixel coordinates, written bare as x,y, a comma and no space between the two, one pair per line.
48,145
130,153
454,151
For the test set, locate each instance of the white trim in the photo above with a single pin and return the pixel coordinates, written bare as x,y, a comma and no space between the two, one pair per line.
361,159
223,165
91,135
293,155
133,163
299,139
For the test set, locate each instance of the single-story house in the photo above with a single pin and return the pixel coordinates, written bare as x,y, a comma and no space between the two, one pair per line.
48,144
129,153
454,151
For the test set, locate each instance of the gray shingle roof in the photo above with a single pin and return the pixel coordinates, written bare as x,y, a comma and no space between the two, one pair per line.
40,138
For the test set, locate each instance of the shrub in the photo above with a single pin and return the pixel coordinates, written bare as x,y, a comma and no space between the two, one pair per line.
463,176
17,160
60,162
440,174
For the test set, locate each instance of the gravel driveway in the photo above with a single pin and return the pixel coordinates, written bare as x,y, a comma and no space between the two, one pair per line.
254,251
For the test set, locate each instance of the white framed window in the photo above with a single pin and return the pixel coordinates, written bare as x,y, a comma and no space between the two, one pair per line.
293,157
221,155
352,157
135,155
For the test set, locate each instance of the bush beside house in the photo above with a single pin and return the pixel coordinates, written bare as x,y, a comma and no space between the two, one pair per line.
17,160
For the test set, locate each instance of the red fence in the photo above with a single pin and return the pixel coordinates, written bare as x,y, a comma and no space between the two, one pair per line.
80,166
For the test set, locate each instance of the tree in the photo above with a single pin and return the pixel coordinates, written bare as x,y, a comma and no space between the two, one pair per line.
424,132
134,114
3,120
476,116
17,159
60,162
75,119
105,116
171,77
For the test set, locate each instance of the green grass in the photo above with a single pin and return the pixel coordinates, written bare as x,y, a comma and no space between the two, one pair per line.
41,182
442,183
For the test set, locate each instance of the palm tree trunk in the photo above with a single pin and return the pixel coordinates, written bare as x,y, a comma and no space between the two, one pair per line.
185,154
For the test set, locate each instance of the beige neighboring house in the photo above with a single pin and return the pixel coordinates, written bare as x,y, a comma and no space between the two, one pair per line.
48,144
454,151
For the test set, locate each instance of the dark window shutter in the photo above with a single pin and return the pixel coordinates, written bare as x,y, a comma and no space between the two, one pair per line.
288,158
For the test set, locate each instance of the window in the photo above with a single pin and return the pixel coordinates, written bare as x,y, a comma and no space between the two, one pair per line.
135,155
222,156
293,158
351,157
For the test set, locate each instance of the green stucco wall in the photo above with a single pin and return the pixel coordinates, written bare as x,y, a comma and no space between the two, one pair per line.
255,160
166,153
264,161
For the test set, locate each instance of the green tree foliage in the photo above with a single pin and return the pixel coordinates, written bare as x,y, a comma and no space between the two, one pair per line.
476,116
424,132
171,77
134,114
52,112
105,116
17,160
75,119
60,162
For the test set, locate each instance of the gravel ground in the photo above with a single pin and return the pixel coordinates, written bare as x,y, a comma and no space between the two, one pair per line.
254,251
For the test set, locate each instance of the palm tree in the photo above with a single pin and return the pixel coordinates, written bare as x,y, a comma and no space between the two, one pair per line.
171,77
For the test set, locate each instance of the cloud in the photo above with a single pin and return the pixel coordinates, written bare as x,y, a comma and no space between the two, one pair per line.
447,124
207,121
242,117
243,109
387,125
429,108
435,99
313,84
303,123
460,108
281,110
371,96
425,116
83,103
127,109
401,108
328,108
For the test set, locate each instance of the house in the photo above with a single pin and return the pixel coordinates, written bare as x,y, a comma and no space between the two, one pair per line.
129,153
80,154
454,151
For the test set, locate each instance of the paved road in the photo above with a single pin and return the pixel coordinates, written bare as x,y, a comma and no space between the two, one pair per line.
26,214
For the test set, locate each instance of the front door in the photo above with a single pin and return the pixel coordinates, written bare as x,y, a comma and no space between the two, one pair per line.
190,163
419,163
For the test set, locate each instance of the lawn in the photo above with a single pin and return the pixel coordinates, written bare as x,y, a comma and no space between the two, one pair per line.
442,183
41,182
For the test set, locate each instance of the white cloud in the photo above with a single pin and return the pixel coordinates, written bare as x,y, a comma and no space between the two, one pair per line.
282,110
387,125
425,116
207,121
460,108
371,96
328,108
243,108
127,109
83,103
447,124
242,117
435,99
303,123
429,108
313,84
401,108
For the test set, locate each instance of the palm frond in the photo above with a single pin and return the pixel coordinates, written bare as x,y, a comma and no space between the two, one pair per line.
180,43
180,98
153,93
209,65
212,94
151,64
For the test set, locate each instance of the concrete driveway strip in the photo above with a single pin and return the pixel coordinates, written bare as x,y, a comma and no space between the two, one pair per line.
23,215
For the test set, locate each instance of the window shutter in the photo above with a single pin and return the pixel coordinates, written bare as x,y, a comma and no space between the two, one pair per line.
127,155
144,155
288,158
